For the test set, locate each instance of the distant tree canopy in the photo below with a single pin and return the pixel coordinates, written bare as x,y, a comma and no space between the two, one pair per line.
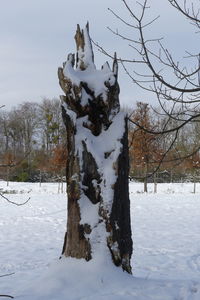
163,153
33,144
31,136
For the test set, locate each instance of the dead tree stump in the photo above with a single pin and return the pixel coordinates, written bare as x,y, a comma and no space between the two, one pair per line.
97,163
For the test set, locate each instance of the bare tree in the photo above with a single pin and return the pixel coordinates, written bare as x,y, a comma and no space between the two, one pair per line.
50,123
182,85
175,86
144,148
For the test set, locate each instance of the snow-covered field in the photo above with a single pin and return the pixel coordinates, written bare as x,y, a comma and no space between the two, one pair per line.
166,258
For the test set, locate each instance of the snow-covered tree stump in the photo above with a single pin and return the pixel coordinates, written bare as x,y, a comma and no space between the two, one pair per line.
97,162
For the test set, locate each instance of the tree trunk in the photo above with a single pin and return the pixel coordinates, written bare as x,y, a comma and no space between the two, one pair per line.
146,171
97,162
8,175
194,187
155,183
40,178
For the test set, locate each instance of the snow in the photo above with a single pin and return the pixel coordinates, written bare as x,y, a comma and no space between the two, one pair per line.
109,141
165,262
97,80
89,212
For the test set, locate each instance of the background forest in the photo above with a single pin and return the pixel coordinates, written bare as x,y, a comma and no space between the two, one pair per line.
33,144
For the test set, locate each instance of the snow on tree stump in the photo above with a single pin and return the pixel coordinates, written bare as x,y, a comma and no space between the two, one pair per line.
97,162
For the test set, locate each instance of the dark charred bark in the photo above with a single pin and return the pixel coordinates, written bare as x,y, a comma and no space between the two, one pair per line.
120,214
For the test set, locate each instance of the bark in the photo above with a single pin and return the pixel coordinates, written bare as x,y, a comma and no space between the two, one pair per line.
97,163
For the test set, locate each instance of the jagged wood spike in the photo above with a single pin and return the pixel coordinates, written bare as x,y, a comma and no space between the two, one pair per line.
115,65
84,47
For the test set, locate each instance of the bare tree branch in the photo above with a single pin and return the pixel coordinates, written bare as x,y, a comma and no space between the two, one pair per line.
5,275
183,86
12,202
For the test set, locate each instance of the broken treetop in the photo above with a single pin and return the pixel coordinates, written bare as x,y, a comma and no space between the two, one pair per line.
96,82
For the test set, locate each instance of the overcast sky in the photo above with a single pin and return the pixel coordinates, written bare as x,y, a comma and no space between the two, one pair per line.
37,35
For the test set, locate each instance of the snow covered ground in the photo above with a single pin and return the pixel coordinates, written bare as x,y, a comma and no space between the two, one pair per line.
166,258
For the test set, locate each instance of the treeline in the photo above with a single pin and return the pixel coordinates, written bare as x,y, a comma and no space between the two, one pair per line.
33,144
160,153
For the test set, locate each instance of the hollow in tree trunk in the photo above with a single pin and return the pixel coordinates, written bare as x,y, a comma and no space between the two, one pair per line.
97,162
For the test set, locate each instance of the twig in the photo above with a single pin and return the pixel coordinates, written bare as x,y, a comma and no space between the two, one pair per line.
7,296
12,202
7,274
